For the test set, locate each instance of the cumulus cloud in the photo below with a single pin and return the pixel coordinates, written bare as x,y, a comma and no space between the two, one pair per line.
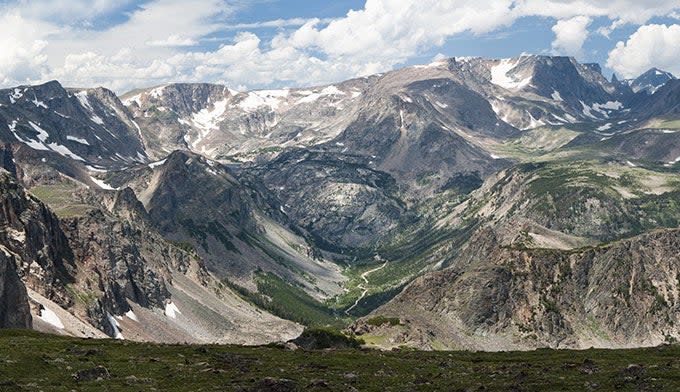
651,45
22,59
605,31
69,11
629,11
570,34
174,40
275,23
152,45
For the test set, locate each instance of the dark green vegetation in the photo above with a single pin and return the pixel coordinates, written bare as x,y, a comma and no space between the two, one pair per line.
323,338
289,302
381,320
31,362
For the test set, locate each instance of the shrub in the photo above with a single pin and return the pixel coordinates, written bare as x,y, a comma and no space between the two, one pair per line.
323,338
382,320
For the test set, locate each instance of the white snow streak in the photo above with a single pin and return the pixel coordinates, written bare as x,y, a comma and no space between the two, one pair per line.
499,75
114,325
77,140
171,310
50,317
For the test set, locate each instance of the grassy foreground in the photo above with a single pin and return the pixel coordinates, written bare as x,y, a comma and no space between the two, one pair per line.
30,361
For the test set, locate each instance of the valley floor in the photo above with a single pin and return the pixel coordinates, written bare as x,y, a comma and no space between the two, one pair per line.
30,361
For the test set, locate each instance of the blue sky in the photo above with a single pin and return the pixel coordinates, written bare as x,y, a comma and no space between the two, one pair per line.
249,44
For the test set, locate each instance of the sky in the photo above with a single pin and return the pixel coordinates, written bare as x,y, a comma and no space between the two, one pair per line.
256,44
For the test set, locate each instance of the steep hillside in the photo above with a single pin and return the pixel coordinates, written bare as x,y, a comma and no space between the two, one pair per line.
104,266
622,294
14,310
195,201
88,125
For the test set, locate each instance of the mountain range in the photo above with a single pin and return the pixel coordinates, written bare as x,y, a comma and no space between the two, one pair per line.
469,203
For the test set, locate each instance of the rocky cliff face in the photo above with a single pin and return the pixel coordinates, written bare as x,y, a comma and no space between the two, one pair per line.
623,294
106,266
14,309
88,126
32,232
104,271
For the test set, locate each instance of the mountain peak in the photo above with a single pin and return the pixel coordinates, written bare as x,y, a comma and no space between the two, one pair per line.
650,81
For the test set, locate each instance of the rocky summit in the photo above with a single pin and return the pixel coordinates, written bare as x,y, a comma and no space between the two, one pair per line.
484,204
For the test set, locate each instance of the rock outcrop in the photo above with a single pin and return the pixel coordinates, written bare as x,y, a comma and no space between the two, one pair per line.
624,294
14,309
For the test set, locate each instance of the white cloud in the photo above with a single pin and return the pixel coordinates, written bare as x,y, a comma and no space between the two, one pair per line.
174,40
22,59
168,40
69,11
275,23
651,45
570,34
630,11
605,31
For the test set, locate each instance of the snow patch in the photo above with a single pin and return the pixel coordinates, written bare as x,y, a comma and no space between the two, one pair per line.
499,75
558,118
102,184
501,110
77,140
42,134
37,103
64,151
533,122
95,169
332,90
34,144
97,120
157,92
50,317
82,98
587,110
313,96
171,310
134,98
85,103
131,315
609,105
256,99
154,165
207,120
115,326
556,96
17,94
570,118
604,127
